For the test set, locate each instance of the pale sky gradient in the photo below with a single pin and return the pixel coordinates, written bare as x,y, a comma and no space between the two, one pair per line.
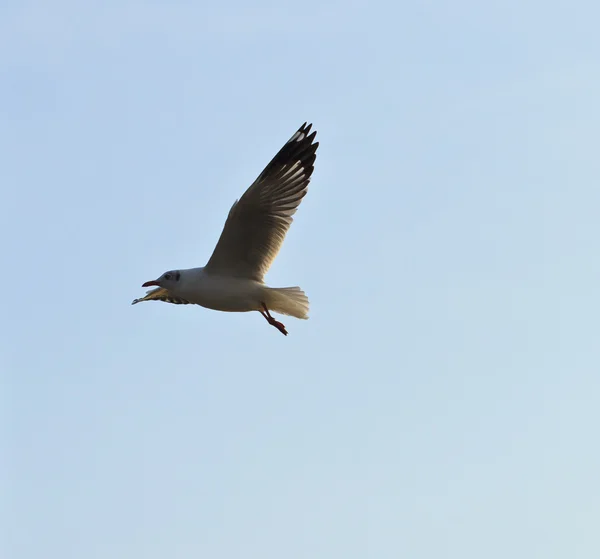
443,400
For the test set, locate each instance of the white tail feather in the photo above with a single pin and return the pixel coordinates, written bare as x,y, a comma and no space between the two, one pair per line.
288,300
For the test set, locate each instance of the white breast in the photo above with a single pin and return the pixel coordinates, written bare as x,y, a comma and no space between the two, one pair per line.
220,293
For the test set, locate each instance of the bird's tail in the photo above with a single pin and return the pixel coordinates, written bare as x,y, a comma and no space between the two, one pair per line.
288,300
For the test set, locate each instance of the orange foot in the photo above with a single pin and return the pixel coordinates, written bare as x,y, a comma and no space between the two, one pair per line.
272,321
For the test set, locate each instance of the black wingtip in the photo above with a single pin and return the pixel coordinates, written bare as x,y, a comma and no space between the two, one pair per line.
300,148
304,130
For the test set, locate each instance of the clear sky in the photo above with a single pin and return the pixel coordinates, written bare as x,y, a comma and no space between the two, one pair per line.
443,399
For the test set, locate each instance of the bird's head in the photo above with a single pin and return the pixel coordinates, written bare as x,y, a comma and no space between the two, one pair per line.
168,280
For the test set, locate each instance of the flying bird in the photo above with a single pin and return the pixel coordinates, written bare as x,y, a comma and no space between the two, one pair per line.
232,280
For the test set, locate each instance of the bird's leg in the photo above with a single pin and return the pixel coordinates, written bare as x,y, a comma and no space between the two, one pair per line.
271,320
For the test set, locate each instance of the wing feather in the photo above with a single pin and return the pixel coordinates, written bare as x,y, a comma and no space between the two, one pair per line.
161,294
258,222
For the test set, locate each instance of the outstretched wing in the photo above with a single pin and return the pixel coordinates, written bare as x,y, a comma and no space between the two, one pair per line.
258,221
161,294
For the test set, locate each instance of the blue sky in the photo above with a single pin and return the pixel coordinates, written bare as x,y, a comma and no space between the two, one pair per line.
442,400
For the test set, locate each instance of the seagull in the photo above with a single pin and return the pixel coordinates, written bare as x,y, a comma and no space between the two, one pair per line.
232,280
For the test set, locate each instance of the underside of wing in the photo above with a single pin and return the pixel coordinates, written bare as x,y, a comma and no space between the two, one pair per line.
161,294
258,222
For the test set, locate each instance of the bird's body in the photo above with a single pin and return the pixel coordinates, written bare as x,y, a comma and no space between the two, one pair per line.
231,294
220,293
232,280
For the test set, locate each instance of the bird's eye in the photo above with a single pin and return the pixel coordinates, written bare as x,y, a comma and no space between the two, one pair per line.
167,276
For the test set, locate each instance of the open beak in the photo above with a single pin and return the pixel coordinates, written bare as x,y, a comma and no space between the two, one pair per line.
150,283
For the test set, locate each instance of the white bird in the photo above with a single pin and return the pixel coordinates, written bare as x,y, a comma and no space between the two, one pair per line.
232,280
